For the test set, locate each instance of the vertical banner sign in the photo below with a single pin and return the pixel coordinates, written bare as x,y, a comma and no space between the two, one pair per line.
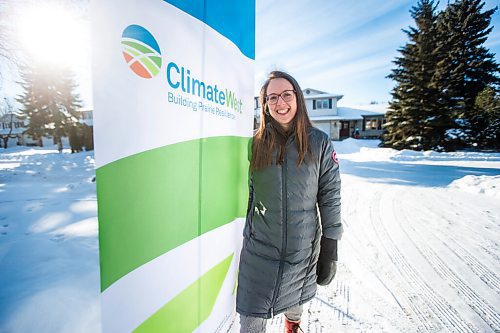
173,100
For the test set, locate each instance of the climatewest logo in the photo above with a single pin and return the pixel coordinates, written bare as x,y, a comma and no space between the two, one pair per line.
141,51
143,56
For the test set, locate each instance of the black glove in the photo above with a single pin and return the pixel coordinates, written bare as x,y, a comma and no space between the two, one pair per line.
327,261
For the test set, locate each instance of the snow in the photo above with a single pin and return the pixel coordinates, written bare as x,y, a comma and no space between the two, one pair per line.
48,242
479,185
348,113
420,251
378,108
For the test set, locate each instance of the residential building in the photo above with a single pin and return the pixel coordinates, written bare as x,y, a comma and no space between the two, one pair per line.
86,117
12,126
19,126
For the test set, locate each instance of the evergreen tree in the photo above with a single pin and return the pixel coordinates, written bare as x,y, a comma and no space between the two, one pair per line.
465,68
412,109
33,109
487,118
76,138
49,102
88,137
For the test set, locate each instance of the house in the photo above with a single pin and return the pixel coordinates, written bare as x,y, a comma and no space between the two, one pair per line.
16,136
340,122
11,129
86,117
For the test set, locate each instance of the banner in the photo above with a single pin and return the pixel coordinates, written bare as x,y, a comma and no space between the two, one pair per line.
173,116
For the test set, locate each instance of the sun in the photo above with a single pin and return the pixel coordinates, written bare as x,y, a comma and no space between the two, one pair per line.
52,34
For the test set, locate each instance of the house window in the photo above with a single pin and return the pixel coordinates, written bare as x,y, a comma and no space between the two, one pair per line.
371,123
322,104
86,115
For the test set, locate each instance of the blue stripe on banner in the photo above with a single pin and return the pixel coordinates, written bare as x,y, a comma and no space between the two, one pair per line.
233,19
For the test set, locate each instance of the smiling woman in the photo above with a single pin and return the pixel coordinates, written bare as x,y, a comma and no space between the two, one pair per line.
51,34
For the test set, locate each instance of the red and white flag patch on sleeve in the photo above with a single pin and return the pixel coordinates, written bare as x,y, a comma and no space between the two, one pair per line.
334,157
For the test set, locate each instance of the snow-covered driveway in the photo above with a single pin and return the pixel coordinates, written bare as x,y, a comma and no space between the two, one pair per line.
420,252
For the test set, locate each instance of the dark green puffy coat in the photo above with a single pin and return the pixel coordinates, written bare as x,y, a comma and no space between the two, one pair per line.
282,231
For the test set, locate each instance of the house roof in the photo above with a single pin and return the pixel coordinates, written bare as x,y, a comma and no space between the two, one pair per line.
379,107
346,113
310,93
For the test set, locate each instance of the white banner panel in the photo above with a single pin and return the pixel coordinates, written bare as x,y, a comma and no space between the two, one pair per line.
173,116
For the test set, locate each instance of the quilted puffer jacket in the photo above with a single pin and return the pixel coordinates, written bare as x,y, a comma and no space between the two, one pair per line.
283,230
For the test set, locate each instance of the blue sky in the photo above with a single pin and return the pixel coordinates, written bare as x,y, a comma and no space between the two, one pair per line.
332,45
338,46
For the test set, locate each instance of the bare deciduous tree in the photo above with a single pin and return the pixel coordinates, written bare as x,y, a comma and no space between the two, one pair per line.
7,115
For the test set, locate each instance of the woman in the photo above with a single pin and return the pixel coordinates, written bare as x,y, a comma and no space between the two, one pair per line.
287,247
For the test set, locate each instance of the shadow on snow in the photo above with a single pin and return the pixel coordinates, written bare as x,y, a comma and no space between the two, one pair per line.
412,174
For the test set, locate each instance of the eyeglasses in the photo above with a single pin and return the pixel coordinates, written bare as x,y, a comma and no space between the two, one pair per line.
286,96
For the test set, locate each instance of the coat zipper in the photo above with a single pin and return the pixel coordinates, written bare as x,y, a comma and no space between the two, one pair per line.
283,240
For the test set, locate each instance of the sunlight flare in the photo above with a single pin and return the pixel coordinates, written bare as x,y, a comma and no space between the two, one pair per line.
52,34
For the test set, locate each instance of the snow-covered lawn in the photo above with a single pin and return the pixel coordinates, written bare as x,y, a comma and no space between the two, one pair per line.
49,262
420,251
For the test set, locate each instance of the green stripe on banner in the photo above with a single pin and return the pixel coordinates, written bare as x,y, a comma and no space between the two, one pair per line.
150,65
157,60
132,51
149,203
140,47
192,306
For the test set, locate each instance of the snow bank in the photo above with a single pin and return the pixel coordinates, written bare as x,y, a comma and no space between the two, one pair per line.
350,145
363,150
488,185
27,151
368,150
410,155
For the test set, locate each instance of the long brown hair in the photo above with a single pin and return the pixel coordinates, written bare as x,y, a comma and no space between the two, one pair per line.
270,135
